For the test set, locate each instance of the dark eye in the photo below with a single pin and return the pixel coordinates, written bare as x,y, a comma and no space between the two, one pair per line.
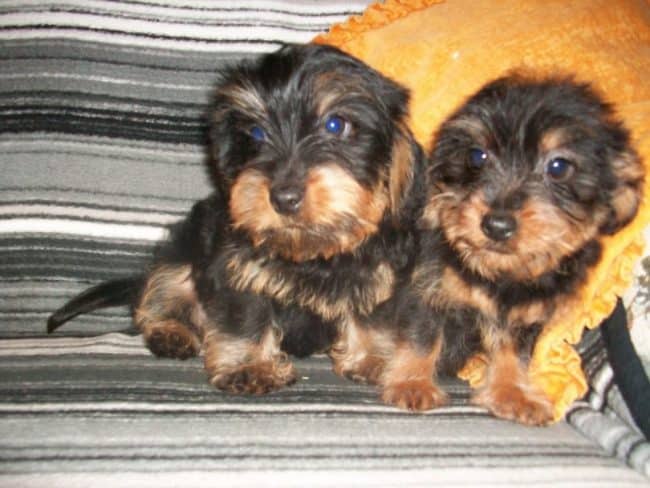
257,133
337,125
477,158
559,169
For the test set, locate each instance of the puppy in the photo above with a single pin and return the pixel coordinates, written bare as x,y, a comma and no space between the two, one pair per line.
318,182
525,179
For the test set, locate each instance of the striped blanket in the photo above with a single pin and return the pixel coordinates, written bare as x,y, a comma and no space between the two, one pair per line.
102,145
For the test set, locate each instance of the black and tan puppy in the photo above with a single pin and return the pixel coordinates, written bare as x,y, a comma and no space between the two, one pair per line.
316,178
525,179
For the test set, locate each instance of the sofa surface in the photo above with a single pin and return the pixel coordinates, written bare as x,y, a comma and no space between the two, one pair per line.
102,145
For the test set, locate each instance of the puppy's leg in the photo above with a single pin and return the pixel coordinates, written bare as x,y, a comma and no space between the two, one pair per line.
243,365
242,344
359,352
409,379
507,392
168,313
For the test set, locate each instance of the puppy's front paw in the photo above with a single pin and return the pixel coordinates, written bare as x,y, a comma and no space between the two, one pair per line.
516,403
414,395
172,340
367,370
255,378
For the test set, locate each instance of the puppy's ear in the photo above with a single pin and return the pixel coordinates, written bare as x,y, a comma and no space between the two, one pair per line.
405,175
626,195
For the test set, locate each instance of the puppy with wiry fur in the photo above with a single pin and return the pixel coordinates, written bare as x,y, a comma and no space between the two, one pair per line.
525,179
318,182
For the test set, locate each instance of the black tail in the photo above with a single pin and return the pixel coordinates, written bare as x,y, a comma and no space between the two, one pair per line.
108,294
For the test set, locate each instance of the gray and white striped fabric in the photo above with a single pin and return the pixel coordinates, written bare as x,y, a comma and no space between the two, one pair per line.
102,132
102,109
102,412
603,415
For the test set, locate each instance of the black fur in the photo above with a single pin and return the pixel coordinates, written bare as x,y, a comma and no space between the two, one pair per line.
109,294
285,82
508,119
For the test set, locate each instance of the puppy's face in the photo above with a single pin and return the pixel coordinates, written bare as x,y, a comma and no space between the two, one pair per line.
526,173
311,149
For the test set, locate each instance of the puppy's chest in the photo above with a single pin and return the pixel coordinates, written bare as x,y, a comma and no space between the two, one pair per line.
331,291
508,307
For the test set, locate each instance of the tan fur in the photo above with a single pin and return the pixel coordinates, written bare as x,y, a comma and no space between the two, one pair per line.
244,97
473,126
400,176
240,365
408,379
527,255
551,140
169,289
455,291
627,195
359,352
258,277
250,204
330,88
508,392
337,214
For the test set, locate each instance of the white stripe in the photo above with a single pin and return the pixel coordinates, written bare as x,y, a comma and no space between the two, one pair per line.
556,476
294,406
112,343
84,229
84,212
330,11
142,43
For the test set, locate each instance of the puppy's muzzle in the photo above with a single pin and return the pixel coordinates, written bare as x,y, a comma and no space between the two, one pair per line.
287,198
499,226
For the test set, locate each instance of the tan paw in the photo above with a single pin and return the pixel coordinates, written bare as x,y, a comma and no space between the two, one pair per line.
255,378
415,395
172,340
367,371
516,403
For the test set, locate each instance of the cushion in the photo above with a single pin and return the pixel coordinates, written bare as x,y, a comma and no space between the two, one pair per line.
445,51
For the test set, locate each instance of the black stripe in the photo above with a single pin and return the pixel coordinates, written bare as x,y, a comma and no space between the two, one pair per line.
53,99
104,52
628,370
83,243
65,272
426,457
210,69
108,124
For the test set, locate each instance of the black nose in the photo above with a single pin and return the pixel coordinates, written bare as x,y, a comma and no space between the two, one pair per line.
286,198
499,226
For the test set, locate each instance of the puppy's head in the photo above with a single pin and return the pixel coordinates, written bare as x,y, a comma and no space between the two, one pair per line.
311,149
527,172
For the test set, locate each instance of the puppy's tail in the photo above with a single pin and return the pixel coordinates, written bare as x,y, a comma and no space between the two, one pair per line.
108,294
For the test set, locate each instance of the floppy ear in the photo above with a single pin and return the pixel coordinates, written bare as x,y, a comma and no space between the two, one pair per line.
626,195
406,175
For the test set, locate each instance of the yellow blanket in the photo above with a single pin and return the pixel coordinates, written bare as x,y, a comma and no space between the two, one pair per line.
445,50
